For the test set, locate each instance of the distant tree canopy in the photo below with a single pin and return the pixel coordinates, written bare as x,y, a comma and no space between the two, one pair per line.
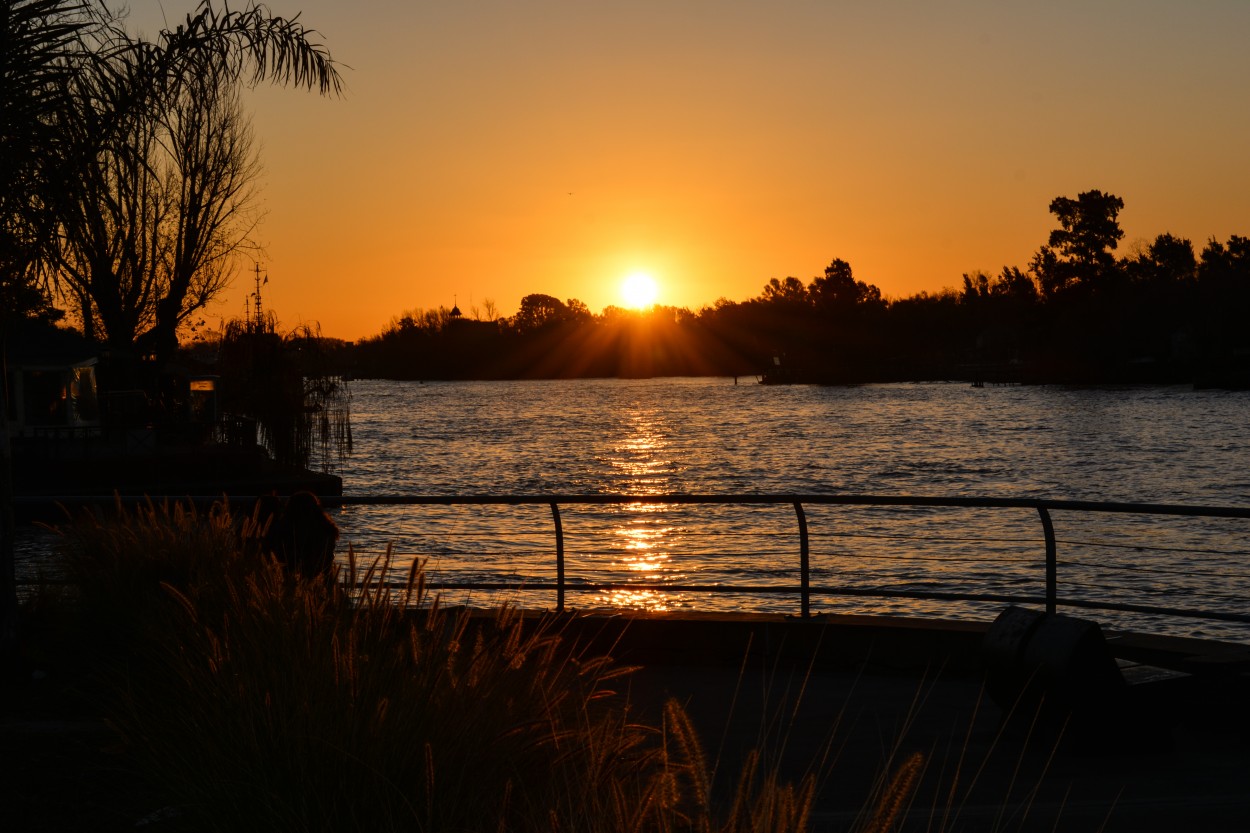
1079,252
838,291
541,311
979,287
1167,260
1226,265
1077,313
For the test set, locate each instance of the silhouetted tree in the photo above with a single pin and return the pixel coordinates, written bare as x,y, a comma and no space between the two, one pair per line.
25,298
1079,252
578,311
1226,264
1168,260
1153,316
849,335
838,291
149,237
1013,283
976,287
1224,303
41,51
538,311
789,291
725,329
994,326
1010,283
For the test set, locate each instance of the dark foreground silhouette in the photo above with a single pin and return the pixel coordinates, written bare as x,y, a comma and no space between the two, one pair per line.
298,533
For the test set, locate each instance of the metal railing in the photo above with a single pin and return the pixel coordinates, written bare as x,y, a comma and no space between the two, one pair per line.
805,589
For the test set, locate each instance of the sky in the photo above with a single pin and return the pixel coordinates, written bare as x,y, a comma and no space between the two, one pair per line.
485,150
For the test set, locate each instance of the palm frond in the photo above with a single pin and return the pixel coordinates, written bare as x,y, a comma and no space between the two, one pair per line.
276,49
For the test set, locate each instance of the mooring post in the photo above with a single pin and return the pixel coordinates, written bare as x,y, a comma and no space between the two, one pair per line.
805,603
555,514
1052,561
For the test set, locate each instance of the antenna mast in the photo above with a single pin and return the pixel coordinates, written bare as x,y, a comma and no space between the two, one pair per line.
260,321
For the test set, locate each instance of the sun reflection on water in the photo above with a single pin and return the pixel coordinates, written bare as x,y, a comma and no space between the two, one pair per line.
642,537
640,458
649,600
640,554
641,547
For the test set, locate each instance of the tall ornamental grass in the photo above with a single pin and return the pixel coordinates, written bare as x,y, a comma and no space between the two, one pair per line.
261,700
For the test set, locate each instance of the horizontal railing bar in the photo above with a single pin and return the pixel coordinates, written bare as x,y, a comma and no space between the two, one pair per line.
734,589
582,588
693,499
781,590
920,595
835,500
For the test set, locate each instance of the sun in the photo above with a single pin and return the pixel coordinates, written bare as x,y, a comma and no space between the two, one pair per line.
639,290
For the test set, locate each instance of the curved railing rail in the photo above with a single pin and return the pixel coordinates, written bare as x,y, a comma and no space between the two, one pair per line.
805,589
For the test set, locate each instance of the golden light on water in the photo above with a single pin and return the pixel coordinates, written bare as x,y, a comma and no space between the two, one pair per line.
650,600
641,552
641,549
639,455
643,537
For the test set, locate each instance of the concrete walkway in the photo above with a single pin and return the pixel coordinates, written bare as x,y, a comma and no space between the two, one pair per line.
850,700
846,700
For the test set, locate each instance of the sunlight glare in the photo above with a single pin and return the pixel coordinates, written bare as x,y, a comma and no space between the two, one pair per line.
639,290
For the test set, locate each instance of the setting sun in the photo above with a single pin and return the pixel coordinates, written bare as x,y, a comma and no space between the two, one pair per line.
639,290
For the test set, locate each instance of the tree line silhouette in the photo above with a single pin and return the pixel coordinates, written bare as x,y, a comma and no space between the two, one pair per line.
1077,314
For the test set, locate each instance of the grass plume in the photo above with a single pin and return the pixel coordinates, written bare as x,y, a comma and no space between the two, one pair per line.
260,699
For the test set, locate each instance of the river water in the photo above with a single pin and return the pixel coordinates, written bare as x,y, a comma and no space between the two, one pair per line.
712,436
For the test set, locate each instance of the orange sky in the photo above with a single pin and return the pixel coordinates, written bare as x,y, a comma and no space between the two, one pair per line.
486,150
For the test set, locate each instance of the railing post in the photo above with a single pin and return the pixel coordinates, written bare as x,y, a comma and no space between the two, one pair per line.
555,514
805,581
1052,561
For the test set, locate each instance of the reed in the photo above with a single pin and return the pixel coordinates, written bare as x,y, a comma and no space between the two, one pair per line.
261,700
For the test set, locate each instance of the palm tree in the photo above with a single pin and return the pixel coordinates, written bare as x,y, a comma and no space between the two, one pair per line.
40,48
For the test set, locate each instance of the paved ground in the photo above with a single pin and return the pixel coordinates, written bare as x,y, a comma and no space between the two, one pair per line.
1169,753
982,771
848,703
